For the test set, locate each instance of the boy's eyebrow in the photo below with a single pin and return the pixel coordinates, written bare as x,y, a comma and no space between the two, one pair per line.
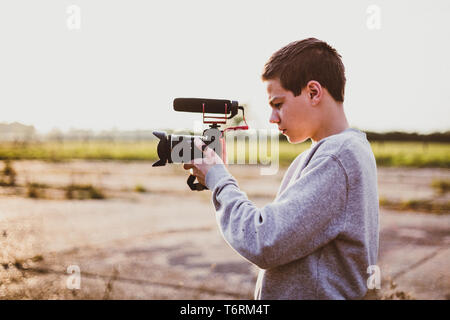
274,98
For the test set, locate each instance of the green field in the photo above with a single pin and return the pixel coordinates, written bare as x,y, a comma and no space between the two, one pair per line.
412,154
395,154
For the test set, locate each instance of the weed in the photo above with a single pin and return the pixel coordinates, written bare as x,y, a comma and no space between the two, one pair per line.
394,294
38,185
37,258
109,285
35,191
419,205
441,186
8,175
140,188
82,192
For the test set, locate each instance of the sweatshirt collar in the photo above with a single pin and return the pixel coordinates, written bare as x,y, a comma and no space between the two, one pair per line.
359,132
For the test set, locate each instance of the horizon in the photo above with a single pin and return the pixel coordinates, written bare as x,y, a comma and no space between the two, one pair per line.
99,131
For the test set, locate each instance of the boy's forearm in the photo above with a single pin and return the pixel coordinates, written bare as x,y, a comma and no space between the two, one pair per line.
233,214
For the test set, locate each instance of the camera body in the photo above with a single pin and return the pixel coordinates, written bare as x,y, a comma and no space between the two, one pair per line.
181,148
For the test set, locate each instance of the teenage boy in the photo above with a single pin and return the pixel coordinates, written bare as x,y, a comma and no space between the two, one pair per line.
318,237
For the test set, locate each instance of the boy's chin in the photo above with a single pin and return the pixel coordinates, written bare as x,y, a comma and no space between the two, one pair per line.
295,140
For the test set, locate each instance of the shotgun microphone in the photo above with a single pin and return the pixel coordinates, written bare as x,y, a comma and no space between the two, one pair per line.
202,105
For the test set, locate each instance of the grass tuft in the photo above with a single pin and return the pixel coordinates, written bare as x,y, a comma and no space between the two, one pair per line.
140,188
35,191
419,205
83,191
8,174
441,186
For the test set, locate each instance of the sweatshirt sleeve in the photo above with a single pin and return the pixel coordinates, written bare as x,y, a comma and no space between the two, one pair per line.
306,215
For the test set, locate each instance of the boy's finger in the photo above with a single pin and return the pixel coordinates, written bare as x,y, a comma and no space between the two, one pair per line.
200,144
188,166
207,151
196,172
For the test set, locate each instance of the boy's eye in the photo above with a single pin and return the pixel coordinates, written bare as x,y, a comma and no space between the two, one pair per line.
277,105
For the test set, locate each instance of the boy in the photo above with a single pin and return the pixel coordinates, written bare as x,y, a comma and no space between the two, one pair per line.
320,234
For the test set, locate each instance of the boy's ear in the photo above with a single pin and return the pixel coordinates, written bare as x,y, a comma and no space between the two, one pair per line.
314,91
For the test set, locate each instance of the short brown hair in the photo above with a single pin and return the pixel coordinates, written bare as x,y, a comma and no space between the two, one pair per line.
302,61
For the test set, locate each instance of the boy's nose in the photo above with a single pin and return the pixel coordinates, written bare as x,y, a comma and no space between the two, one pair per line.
274,118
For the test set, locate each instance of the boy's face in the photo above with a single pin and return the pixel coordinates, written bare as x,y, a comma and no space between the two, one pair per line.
295,116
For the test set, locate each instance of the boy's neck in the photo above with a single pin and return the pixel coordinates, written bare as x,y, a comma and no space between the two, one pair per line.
334,122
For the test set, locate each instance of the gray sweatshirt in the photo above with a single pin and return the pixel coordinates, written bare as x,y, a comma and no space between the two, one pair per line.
320,234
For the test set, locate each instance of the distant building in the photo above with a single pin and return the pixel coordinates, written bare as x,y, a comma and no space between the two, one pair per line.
16,132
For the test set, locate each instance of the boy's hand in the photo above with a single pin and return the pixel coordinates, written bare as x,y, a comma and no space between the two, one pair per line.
200,167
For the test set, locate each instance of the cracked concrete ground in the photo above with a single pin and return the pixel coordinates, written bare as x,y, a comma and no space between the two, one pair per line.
164,243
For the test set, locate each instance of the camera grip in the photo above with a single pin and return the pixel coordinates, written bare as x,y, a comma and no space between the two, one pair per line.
195,186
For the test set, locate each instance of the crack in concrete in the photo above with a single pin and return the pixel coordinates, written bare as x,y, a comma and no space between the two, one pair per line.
144,282
129,239
418,263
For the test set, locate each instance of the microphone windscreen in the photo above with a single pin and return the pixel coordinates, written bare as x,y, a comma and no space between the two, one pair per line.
196,105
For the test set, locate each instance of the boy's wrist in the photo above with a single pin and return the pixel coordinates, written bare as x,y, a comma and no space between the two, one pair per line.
215,174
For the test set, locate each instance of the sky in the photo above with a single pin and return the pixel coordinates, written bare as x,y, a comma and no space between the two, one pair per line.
104,64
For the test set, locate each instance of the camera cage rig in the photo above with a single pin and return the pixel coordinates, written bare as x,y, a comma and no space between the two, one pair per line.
215,124
224,118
